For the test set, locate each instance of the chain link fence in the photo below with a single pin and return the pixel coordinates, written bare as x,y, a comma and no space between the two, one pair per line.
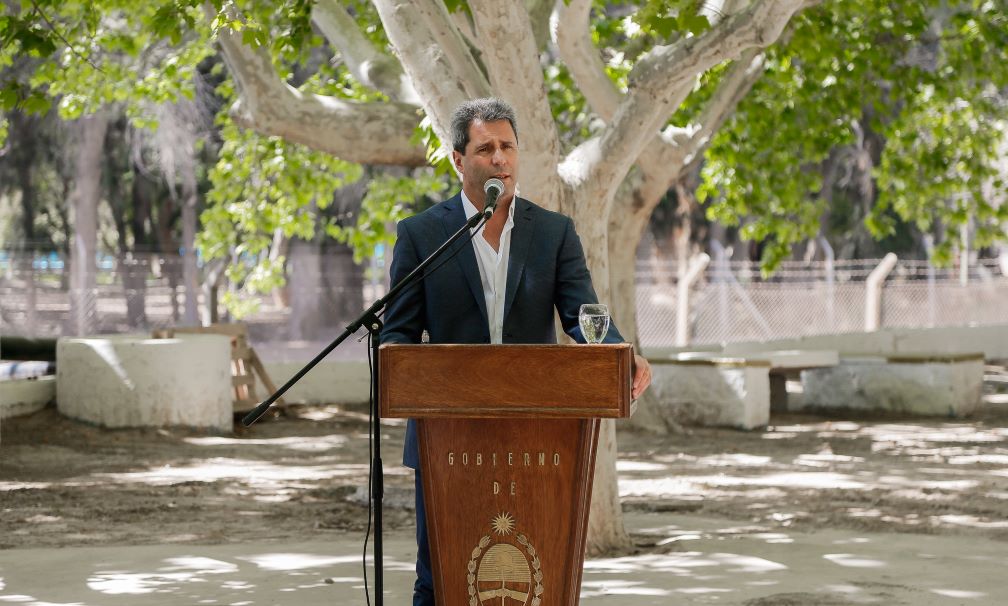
731,301
734,302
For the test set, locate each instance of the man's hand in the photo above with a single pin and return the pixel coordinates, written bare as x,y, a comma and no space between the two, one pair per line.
642,376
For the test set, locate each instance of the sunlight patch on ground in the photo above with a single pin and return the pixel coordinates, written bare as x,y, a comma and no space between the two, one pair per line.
917,434
33,602
825,459
773,537
836,426
734,460
694,485
640,466
179,570
591,589
297,561
843,589
683,563
211,470
24,485
852,541
970,521
959,593
702,590
991,459
299,443
811,479
850,560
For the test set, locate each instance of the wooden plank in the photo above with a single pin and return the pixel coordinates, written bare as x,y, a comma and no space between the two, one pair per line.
267,382
506,381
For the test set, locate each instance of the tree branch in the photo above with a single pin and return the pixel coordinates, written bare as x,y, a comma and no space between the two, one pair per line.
434,57
570,25
735,85
659,83
539,16
369,65
367,133
512,62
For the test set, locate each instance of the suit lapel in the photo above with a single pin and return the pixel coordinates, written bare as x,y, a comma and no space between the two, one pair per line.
454,218
521,237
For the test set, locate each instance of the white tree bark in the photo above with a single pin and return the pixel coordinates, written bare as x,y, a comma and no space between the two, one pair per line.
84,197
434,56
648,103
368,133
512,61
369,65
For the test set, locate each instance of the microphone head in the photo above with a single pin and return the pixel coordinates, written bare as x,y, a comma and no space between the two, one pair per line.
493,184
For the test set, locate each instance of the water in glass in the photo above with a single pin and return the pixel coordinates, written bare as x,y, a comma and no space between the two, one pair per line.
594,320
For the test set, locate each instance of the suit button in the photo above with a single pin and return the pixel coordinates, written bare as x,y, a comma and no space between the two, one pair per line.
507,334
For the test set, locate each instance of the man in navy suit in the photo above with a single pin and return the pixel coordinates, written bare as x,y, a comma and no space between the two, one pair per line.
502,287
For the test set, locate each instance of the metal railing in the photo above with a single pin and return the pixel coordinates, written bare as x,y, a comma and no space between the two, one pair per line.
727,301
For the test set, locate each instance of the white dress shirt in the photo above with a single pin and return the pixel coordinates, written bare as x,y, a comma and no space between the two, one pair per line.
493,265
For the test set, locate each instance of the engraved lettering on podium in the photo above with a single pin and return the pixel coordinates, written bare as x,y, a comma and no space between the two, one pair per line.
499,571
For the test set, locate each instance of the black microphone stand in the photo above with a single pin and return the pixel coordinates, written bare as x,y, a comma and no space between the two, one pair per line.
369,320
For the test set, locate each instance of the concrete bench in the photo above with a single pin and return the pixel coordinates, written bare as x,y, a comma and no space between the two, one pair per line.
784,364
920,383
135,381
25,396
788,364
699,388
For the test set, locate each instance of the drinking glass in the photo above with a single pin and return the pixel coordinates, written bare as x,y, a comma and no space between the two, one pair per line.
594,320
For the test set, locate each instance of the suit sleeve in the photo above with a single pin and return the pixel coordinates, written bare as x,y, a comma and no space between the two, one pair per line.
404,316
574,286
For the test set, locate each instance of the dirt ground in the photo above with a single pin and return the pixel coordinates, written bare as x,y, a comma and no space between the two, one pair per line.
302,476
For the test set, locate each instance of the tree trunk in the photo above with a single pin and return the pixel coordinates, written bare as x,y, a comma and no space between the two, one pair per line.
24,156
133,269
304,271
606,533
84,201
190,272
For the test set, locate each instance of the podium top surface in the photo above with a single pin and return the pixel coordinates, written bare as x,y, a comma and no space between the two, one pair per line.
505,381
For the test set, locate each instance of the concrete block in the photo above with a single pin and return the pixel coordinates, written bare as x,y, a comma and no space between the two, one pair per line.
25,396
942,385
876,343
716,391
330,382
134,381
992,340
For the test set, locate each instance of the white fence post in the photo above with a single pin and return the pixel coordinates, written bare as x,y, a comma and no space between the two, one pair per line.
830,280
696,267
721,275
873,292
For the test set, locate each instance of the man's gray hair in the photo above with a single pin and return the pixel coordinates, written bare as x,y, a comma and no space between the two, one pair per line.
488,109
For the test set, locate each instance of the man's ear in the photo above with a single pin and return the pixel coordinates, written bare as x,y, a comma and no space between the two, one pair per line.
457,160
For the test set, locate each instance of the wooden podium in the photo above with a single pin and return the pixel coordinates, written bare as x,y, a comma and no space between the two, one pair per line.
507,448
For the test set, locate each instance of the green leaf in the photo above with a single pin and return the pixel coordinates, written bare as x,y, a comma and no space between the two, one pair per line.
37,103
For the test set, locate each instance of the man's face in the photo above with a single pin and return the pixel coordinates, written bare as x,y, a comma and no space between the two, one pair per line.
492,152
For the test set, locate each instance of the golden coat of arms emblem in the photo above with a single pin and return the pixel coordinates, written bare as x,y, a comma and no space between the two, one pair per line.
506,571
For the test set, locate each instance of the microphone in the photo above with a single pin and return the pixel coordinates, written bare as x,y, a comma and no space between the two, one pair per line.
492,189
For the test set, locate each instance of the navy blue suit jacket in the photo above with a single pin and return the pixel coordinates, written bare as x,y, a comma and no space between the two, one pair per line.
546,271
